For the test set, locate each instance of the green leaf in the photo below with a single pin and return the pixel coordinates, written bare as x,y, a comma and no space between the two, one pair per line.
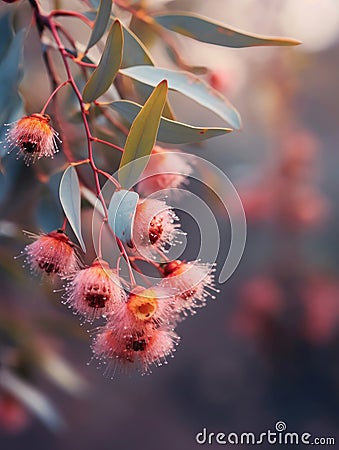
190,86
170,131
101,22
142,136
110,62
70,198
135,53
204,29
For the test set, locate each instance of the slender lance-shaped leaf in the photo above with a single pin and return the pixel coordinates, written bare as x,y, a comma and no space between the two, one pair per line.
70,198
108,66
170,131
100,23
142,136
135,53
190,86
206,30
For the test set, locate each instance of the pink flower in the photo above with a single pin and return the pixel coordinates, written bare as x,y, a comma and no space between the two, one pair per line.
95,291
53,253
154,226
165,169
193,282
135,347
34,137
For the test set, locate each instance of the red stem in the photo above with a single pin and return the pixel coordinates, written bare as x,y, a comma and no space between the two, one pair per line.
66,13
52,95
43,20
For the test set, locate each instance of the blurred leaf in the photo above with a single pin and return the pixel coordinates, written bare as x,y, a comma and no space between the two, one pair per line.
109,64
6,33
95,3
144,29
69,193
142,136
101,22
33,399
10,77
206,30
62,373
121,212
170,131
190,86
49,214
135,52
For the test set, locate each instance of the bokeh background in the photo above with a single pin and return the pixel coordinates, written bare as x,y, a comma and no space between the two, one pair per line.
267,348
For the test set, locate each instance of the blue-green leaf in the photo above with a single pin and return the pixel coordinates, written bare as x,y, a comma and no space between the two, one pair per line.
101,22
6,33
170,131
70,198
142,136
109,64
190,86
10,77
206,30
121,213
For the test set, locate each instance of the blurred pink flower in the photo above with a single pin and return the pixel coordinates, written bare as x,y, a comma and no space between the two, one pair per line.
220,80
14,417
320,297
165,169
260,301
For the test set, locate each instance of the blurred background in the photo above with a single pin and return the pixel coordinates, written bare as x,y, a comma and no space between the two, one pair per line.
267,348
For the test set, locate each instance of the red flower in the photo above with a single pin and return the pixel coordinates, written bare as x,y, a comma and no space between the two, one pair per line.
33,136
154,226
138,347
95,291
192,281
53,253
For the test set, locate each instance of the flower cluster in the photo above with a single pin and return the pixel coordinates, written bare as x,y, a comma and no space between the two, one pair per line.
140,321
